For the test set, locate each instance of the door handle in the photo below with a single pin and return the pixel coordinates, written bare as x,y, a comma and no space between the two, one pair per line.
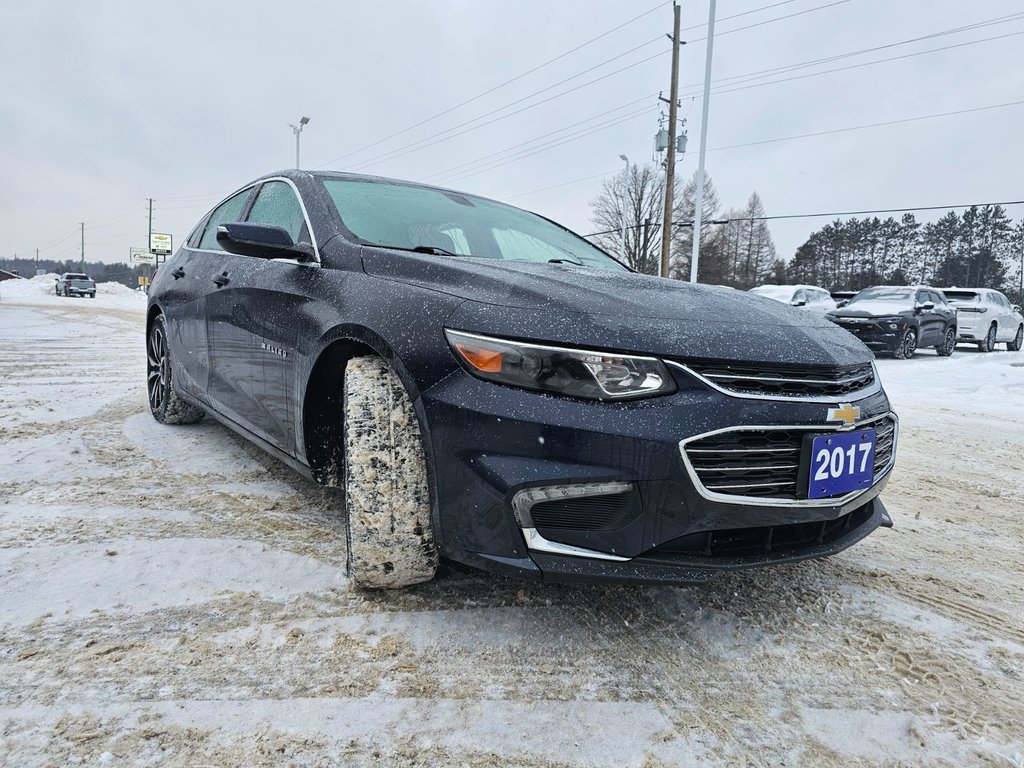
222,279
178,273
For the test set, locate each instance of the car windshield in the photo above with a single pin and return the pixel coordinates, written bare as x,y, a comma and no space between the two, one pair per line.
408,217
777,292
899,295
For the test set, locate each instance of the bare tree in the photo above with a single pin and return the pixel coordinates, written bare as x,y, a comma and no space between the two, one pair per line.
711,269
634,197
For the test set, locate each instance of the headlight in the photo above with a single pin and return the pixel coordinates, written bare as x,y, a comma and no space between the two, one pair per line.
578,373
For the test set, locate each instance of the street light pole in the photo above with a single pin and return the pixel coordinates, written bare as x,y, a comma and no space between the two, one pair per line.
297,129
625,199
698,209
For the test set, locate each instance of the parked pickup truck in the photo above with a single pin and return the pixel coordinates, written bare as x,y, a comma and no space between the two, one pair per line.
75,284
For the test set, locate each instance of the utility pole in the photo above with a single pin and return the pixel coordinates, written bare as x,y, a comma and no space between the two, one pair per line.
698,205
670,167
83,245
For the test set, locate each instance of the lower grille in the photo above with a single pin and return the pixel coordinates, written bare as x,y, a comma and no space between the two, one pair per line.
753,541
589,513
765,463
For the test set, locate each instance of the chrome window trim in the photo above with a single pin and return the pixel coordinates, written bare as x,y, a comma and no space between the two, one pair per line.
305,216
873,388
757,501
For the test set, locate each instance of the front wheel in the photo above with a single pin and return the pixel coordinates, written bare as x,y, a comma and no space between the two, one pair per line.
989,342
387,496
907,345
1018,341
945,349
164,403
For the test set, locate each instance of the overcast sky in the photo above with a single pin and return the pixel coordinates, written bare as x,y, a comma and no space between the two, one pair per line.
106,104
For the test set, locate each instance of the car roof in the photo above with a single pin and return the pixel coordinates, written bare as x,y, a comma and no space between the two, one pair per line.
293,173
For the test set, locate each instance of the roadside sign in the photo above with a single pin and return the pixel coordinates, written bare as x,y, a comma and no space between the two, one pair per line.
142,256
159,243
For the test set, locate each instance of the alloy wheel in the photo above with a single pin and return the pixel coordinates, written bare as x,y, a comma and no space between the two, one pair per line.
156,368
990,339
1018,340
909,344
950,343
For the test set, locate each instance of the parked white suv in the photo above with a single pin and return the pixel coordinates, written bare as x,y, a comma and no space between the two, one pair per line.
808,297
986,318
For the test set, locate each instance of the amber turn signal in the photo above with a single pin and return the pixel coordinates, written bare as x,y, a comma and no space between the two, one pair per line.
481,358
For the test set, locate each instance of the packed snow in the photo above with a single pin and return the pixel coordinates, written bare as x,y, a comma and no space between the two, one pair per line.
174,596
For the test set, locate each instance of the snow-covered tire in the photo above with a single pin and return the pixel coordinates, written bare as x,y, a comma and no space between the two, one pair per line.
387,497
164,403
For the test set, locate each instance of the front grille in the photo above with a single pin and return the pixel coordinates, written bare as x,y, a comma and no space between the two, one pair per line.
588,513
788,380
765,463
753,541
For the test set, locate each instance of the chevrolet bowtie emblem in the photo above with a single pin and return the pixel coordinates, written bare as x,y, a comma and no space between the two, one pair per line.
846,413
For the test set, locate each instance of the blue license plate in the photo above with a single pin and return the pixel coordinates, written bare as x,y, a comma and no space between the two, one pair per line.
841,463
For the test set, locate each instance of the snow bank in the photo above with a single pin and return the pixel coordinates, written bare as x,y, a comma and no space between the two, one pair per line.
41,290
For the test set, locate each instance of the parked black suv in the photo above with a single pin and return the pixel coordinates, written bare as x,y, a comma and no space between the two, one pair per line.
900,319
490,387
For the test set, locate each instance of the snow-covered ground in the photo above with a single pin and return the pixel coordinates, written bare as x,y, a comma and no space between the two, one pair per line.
173,596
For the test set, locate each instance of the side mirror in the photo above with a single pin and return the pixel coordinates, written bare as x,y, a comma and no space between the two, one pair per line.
262,241
1016,308
798,303
926,306
842,303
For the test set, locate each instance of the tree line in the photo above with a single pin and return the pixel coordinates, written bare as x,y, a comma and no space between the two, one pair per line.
980,248
736,248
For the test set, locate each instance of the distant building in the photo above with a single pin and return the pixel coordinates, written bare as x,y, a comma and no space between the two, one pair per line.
5,275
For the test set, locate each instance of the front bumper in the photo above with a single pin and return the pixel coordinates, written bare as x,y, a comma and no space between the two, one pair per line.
489,443
876,336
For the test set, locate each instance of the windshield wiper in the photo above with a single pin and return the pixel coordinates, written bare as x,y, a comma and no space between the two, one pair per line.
565,261
431,249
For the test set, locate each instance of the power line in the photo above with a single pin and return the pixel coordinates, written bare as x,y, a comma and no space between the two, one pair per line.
552,144
917,53
801,65
440,136
865,64
490,155
496,87
831,214
870,125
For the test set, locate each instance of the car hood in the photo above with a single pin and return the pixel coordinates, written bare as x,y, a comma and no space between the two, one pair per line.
623,311
871,309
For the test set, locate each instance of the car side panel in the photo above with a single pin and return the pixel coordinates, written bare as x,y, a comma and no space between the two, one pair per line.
182,285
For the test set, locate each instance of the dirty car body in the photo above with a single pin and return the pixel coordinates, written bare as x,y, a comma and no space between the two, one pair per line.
580,421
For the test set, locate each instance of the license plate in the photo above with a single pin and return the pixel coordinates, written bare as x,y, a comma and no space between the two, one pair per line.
841,463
